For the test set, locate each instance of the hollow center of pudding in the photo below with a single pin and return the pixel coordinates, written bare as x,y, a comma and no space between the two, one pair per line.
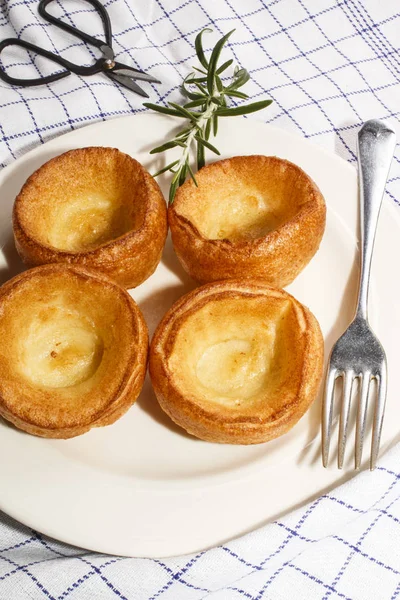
88,221
61,349
243,214
233,352
233,367
244,198
82,200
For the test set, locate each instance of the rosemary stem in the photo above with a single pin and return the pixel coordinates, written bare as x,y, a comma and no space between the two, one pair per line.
200,123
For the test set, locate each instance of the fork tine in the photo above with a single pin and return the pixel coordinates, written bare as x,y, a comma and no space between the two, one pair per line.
327,411
365,381
378,416
344,415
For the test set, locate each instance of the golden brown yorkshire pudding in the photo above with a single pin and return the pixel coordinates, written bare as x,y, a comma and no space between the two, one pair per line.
237,362
250,216
94,207
73,351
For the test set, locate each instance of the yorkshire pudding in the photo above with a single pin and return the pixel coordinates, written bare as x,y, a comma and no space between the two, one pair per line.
237,362
94,207
73,351
250,216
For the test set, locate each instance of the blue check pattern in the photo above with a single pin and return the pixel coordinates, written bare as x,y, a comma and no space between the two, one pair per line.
328,65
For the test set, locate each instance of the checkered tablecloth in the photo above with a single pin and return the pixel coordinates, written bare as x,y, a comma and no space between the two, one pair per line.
328,65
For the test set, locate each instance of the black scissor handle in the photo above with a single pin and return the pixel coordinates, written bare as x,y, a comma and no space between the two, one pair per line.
69,66
76,32
37,50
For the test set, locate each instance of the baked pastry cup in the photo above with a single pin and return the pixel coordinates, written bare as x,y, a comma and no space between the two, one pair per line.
94,207
250,216
73,353
237,362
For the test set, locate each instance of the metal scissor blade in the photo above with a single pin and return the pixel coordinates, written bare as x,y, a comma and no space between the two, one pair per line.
107,51
134,73
128,83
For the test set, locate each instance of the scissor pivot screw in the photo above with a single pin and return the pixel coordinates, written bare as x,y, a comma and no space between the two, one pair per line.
109,64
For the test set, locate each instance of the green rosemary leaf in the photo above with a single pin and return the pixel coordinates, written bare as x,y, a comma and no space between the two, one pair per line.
192,175
235,94
215,100
183,173
173,187
241,73
189,94
215,123
194,103
198,44
223,67
242,110
207,144
241,77
219,84
167,168
201,160
183,133
166,146
212,67
200,71
162,109
193,80
207,129
202,89
192,116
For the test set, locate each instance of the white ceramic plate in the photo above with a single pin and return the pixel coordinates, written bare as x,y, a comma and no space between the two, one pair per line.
142,487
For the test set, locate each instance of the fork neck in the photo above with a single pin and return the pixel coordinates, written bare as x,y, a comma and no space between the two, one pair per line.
376,145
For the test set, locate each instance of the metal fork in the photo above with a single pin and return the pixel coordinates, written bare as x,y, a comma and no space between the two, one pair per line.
358,354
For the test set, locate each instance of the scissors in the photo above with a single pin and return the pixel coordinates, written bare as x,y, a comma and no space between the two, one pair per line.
123,74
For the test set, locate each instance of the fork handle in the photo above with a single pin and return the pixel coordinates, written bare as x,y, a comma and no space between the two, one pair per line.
376,145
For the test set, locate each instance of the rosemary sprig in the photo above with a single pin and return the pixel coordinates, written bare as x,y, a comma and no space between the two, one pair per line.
208,97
